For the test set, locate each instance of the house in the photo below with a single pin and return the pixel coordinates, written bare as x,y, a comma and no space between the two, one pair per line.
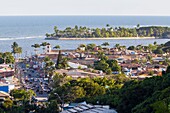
3,96
158,59
76,65
6,87
6,71
88,108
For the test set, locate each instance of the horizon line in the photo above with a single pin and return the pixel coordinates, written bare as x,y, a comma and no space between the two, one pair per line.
82,15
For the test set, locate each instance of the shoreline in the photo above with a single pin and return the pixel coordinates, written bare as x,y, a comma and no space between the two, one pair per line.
113,38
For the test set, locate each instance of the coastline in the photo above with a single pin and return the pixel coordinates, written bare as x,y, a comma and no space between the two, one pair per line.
112,38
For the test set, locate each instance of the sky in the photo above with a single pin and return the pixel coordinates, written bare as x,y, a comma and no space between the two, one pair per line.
85,7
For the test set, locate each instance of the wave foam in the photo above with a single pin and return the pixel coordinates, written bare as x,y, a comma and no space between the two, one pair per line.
20,38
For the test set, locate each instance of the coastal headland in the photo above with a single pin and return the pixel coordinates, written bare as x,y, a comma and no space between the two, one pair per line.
110,38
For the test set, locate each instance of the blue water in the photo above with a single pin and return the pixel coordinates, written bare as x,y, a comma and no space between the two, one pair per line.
28,26
27,30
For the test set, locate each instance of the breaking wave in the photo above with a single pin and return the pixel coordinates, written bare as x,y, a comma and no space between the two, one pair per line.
19,38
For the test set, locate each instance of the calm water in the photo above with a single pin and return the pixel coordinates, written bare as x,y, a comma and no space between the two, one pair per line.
27,30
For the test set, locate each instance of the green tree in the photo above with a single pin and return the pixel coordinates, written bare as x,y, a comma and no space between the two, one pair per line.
57,47
36,46
56,30
44,44
105,44
52,107
16,49
59,80
8,103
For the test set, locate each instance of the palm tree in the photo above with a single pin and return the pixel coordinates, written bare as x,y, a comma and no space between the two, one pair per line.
36,46
19,51
117,46
138,26
49,67
105,44
44,44
56,47
64,63
14,47
155,43
47,35
107,25
56,30
137,29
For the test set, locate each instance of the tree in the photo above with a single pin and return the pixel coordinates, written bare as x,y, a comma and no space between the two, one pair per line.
19,50
113,64
98,32
109,71
58,60
8,103
44,44
63,64
91,46
6,58
47,35
138,26
105,44
22,94
36,46
117,46
131,48
16,49
59,80
107,25
52,107
82,45
168,70
76,92
49,67
101,65
56,30
155,43
57,47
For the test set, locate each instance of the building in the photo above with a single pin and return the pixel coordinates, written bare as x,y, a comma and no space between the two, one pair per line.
87,108
6,71
3,96
6,87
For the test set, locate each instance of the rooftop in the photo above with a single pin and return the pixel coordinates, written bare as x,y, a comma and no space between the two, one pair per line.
87,108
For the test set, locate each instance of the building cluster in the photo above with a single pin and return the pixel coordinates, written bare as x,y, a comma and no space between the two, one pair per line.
136,64
7,80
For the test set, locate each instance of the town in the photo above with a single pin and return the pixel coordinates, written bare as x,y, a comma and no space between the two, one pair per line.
44,76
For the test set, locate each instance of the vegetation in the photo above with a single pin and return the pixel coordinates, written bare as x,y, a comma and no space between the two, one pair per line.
7,58
43,44
84,32
23,102
106,65
151,95
16,49
84,88
61,62
36,46
57,47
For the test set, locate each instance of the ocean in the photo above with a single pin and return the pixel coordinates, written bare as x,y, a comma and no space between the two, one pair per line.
27,30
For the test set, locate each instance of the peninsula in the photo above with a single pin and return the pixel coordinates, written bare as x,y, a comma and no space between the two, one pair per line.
109,32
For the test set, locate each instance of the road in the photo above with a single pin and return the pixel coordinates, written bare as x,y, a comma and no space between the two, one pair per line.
31,79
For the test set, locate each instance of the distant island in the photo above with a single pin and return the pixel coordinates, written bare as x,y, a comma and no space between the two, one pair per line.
108,32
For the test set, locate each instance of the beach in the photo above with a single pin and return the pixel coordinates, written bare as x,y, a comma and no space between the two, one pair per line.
112,38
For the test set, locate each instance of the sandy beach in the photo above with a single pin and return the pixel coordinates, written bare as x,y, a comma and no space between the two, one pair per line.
112,38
